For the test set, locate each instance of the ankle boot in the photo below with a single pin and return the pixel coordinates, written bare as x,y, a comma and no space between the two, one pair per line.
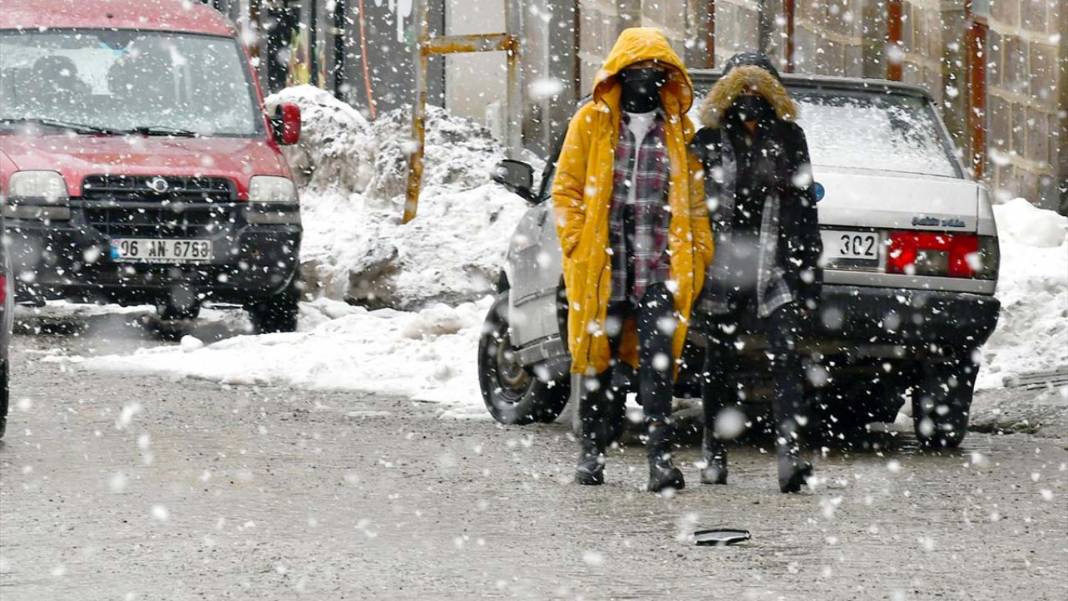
793,470
715,456
590,468
662,472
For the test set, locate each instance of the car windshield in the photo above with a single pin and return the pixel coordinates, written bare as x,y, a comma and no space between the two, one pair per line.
885,132
126,81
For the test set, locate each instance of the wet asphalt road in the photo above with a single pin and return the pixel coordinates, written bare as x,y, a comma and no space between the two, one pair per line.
201,491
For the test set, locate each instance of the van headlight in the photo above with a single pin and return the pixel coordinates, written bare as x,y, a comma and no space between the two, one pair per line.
37,195
272,200
271,188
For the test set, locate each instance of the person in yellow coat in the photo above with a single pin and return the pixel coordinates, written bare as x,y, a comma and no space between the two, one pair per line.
635,238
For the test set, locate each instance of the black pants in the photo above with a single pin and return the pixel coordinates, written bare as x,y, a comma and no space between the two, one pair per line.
602,409
722,388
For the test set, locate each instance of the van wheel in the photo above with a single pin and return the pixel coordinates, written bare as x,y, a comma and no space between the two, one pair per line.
277,313
512,393
168,310
941,403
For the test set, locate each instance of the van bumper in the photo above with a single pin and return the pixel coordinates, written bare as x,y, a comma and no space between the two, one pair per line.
71,259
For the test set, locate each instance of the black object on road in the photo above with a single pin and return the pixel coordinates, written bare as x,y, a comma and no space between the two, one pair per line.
721,537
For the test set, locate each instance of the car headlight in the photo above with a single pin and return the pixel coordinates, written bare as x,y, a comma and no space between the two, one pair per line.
270,188
38,186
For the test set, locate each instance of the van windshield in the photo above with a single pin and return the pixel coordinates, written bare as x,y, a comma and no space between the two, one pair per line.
123,81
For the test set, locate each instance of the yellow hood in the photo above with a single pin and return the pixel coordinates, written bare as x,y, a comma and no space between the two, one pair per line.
637,44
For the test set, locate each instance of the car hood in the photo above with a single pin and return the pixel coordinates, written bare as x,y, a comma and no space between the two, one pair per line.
897,201
78,156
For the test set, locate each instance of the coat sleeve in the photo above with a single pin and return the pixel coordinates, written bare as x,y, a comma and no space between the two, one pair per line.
699,222
569,183
807,246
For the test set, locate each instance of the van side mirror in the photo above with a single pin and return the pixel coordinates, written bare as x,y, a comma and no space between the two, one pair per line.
286,124
517,176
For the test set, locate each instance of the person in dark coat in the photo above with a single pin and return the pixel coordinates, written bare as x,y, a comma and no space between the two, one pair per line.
759,186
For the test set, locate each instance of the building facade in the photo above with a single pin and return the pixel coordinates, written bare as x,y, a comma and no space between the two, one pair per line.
363,51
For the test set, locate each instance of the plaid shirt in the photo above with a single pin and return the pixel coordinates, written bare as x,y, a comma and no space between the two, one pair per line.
638,231
772,291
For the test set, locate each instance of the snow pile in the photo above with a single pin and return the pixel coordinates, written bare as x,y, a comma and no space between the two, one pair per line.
1032,332
426,355
336,148
354,244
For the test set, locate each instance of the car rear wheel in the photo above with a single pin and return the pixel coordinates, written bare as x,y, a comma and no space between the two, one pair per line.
941,403
277,313
513,394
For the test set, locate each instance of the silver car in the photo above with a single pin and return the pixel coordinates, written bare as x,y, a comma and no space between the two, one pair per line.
910,267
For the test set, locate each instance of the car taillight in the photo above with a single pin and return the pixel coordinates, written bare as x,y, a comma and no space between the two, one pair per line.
939,254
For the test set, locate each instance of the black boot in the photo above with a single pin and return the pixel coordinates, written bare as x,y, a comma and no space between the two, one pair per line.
590,468
715,457
596,430
793,471
662,472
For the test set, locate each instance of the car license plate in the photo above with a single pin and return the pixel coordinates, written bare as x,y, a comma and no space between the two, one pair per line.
144,250
851,247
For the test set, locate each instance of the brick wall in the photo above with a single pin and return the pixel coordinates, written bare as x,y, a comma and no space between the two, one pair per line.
1028,93
1027,61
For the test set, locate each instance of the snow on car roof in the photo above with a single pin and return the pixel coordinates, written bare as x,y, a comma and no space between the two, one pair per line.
829,82
156,15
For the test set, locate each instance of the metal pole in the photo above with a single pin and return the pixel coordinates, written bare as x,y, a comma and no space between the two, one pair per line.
788,8
763,26
893,38
422,65
514,110
339,47
710,35
976,41
313,42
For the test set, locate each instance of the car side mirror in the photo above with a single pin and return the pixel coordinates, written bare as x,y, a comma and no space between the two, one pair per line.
517,176
286,124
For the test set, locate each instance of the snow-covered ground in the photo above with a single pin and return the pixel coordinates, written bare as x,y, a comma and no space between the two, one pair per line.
420,347
426,355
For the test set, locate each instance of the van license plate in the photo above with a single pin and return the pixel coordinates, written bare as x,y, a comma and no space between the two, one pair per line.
858,248
142,250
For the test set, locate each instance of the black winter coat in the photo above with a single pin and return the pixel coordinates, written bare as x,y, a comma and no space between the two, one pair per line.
780,162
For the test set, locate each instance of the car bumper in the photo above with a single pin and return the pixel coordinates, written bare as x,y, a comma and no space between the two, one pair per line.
858,315
72,259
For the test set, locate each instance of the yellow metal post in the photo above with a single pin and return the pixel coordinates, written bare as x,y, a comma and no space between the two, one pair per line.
425,47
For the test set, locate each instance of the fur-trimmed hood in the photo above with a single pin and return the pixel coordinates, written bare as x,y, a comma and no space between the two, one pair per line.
739,80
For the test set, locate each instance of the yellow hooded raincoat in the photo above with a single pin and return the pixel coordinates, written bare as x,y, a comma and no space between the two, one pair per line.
582,196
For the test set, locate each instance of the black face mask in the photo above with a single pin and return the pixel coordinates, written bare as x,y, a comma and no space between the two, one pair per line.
641,89
752,108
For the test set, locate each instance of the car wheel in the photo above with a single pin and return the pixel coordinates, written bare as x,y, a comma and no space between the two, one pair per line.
168,310
512,393
3,398
277,313
942,402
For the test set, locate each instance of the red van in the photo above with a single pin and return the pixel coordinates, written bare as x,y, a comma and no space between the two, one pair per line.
138,163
